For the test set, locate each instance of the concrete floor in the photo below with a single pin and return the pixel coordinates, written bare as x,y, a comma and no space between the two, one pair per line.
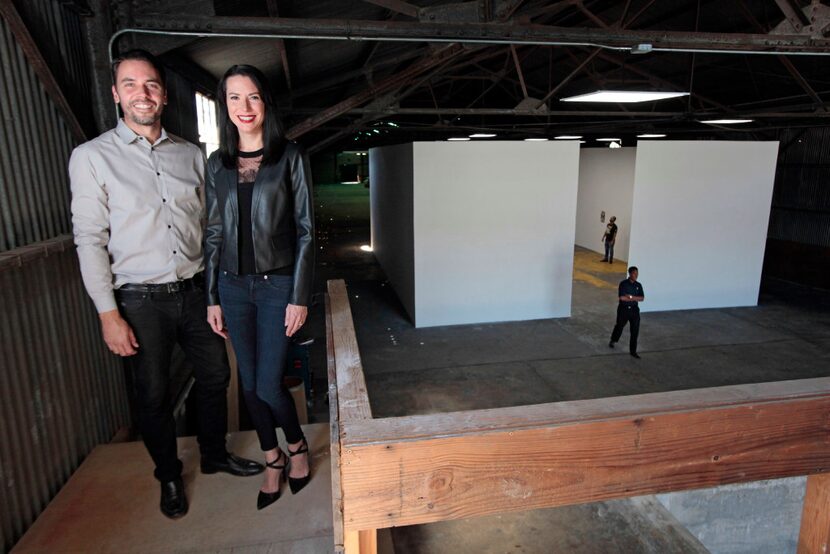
417,371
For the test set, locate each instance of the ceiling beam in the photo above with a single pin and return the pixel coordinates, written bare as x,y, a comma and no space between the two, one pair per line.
679,115
793,14
382,86
397,6
484,33
40,67
788,65
274,11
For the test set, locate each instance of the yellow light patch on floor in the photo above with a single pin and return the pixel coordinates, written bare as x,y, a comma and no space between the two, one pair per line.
592,280
589,269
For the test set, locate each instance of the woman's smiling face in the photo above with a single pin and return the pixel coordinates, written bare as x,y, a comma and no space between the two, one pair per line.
245,105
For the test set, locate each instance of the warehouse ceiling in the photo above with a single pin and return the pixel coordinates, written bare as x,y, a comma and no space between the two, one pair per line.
434,69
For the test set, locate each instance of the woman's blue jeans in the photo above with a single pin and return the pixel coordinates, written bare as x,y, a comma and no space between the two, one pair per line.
254,310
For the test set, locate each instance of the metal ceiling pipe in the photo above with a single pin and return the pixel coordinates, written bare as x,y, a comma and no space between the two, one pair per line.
479,33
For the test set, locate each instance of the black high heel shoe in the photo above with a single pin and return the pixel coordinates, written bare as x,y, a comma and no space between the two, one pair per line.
296,484
265,499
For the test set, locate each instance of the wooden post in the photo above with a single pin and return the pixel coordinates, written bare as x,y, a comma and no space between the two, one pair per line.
814,537
361,542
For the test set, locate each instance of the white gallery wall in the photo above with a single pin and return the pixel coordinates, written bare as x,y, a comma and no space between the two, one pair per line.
492,228
699,221
606,184
391,213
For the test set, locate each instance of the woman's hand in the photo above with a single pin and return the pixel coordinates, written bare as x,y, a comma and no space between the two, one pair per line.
294,318
217,322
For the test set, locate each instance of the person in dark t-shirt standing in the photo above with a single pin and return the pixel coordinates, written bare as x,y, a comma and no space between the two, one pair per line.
609,238
630,293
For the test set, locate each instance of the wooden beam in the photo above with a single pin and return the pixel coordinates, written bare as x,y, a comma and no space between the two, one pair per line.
814,537
40,67
361,542
351,385
334,431
420,469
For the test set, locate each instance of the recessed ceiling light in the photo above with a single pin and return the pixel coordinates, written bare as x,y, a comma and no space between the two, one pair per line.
607,139
537,139
614,145
482,135
651,135
568,137
366,248
459,138
726,121
624,96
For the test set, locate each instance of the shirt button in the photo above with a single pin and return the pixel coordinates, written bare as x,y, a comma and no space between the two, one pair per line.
164,199
157,173
174,251
169,226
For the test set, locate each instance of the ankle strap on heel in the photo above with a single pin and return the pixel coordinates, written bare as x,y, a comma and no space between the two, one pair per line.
301,450
274,464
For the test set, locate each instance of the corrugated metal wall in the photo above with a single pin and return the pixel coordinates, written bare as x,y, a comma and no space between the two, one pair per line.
62,391
801,198
34,149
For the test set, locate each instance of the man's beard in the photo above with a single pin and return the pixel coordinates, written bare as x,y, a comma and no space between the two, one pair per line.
144,120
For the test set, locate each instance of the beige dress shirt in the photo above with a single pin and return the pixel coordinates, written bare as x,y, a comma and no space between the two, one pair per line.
137,211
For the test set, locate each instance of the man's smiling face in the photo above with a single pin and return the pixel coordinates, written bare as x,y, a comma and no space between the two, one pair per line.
139,90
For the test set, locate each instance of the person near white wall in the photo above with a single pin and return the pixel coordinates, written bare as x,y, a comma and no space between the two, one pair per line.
609,238
630,293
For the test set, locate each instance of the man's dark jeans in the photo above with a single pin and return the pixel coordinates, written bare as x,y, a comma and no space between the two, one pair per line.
625,314
160,320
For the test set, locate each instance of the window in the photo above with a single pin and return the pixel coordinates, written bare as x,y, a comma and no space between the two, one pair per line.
206,116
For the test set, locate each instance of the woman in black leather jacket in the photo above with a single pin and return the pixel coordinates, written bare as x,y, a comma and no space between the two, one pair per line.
259,257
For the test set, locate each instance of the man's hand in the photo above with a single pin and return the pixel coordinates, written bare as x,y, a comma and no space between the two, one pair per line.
117,334
294,318
217,321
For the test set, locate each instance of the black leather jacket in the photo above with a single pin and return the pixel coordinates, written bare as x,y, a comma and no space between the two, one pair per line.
282,216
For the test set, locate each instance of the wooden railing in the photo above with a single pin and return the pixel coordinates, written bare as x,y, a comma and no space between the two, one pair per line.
424,468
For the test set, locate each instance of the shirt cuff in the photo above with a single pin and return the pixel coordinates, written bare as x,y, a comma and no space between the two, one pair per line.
104,302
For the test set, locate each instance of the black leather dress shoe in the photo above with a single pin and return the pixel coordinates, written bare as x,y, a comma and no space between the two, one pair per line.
233,465
173,500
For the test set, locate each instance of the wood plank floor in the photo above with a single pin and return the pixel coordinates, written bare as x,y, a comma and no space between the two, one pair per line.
110,504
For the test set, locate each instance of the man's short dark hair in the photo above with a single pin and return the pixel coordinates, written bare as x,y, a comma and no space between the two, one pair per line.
632,269
141,55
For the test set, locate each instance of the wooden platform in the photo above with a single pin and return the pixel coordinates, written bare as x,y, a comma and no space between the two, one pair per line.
111,502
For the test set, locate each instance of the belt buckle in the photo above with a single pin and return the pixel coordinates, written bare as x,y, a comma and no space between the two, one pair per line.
172,287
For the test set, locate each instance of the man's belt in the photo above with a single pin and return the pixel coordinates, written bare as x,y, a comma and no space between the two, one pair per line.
170,288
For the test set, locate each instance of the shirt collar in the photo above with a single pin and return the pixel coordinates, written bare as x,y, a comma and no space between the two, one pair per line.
128,136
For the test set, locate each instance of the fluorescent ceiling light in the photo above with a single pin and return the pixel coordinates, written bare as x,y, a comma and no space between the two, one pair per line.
459,138
608,139
482,135
651,135
568,137
726,121
624,96
535,139
614,145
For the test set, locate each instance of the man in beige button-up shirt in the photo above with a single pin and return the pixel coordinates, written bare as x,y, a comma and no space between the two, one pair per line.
137,217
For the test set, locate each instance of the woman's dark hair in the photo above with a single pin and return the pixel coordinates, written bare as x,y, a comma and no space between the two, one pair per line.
273,138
